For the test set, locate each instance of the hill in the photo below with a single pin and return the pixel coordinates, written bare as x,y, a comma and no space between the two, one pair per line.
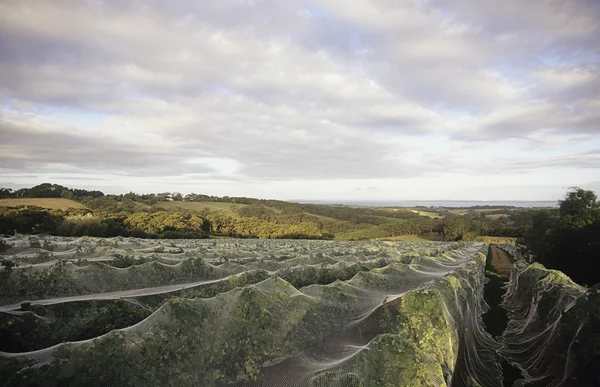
227,208
77,212
50,203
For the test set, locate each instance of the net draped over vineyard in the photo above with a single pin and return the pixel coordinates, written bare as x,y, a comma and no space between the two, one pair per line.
553,334
133,312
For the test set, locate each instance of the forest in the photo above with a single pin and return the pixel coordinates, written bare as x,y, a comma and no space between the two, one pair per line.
569,240
141,215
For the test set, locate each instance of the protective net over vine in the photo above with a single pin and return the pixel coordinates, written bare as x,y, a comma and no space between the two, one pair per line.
553,335
130,312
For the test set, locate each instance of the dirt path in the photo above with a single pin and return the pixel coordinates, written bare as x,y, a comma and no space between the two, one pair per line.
500,261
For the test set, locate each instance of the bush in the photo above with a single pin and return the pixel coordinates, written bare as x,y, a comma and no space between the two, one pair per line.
82,225
4,246
569,242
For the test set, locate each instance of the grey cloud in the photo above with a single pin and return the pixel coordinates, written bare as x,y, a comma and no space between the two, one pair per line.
24,149
290,90
583,160
545,117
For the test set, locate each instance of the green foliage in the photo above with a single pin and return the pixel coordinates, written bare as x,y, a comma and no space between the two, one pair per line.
14,371
98,277
417,343
29,220
4,246
64,323
123,261
6,273
66,194
39,284
40,257
565,321
461,228
162,221
569,242
80,225
325,274
580,208
131,214
6,193
416,226
226,332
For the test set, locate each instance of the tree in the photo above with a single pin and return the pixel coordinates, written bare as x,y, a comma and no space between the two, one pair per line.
176,196
44,190
66,194
579,208
460,228
569,241
6,193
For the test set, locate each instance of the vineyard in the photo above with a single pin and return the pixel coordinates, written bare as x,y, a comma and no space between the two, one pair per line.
133,312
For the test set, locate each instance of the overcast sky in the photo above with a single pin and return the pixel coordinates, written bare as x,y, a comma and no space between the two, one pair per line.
322,99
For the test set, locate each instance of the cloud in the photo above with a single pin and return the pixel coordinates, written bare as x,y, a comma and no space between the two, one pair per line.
275,91
35,148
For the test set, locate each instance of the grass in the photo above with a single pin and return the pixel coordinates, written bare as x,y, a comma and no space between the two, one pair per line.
226,208
459,212
392,220
496,216
50,203
495,239
432,215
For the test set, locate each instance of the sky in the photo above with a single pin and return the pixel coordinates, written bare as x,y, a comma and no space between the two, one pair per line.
324,99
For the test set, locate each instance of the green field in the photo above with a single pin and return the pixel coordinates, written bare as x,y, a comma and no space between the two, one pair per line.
51,203
226,208
496,216
392,220
432,215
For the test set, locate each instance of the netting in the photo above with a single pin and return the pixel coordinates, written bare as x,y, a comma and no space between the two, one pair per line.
516,252
129,312
553,334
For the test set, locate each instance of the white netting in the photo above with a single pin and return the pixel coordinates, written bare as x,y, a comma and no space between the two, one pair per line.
553,334
248,312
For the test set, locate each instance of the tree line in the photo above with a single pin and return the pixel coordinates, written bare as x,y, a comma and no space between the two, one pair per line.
568,239
137,215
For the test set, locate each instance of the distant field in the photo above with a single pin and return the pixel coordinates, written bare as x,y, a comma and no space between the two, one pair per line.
459,212
496,216
51,203
492,209
392,220
495,239
226,208
462,212
432,215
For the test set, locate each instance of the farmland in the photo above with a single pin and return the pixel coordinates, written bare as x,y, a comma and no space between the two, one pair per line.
50,203
214,312
173,215
228,209
429,214
100,296
123,311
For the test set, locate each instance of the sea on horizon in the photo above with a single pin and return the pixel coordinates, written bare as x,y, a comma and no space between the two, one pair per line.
437,203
